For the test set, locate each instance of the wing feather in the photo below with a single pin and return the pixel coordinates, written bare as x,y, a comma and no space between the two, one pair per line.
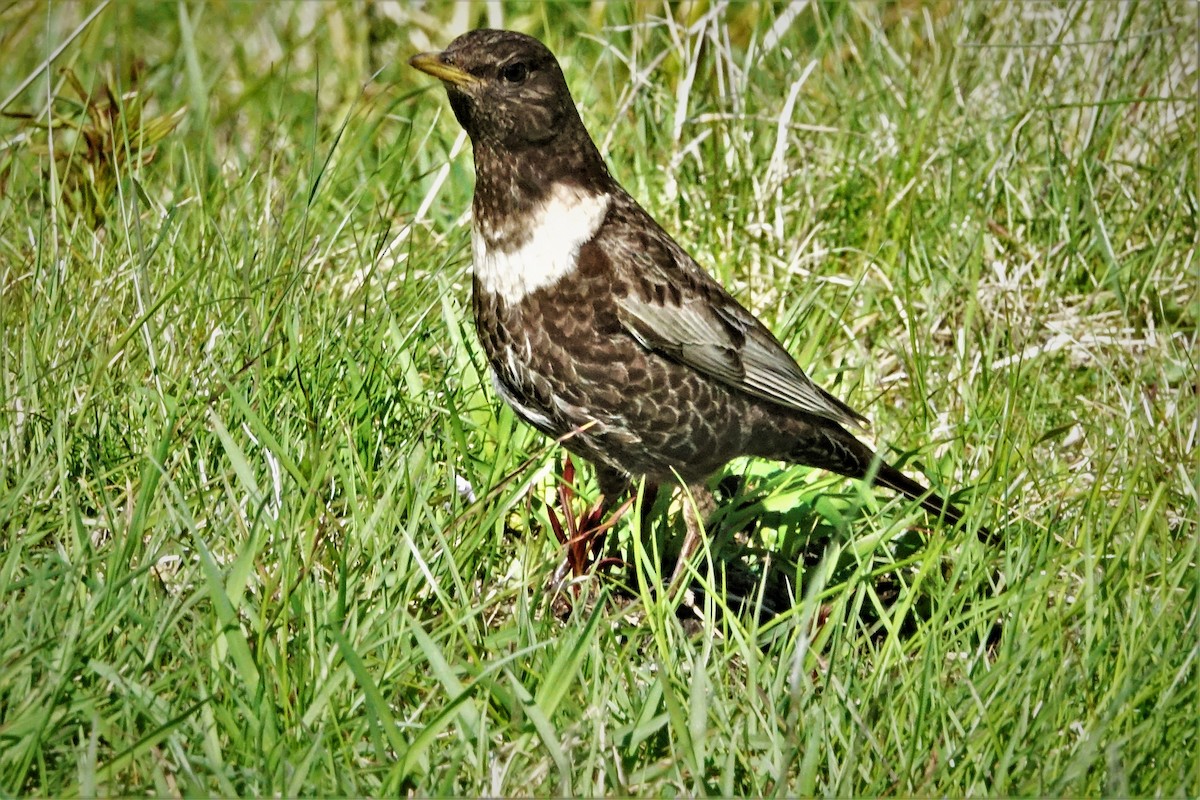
727,343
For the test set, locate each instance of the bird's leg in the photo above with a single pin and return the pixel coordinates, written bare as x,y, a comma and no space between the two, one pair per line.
583,536
592,531
698,505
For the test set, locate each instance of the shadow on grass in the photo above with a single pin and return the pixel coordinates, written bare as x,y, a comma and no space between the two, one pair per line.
762,555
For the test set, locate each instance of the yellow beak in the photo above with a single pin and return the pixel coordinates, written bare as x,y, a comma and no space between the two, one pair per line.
432,64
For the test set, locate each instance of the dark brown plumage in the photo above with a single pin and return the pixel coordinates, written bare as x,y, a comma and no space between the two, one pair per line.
595,321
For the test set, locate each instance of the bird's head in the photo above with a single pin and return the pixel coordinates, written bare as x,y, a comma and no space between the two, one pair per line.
506,88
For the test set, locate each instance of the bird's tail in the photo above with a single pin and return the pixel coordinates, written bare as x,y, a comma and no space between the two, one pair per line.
931,501
935,504
849,456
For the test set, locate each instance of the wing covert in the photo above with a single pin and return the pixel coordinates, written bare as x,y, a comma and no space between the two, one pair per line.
726,342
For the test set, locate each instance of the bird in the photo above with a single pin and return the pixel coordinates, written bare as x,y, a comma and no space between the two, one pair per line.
599,329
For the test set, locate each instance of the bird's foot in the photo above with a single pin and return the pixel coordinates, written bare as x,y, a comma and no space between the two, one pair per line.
582,537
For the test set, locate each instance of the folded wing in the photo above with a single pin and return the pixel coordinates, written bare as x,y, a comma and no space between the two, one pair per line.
726,342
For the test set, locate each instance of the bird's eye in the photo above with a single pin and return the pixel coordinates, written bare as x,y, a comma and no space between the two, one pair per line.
515,72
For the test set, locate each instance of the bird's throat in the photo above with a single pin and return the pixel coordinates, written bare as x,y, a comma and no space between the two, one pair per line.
520,249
